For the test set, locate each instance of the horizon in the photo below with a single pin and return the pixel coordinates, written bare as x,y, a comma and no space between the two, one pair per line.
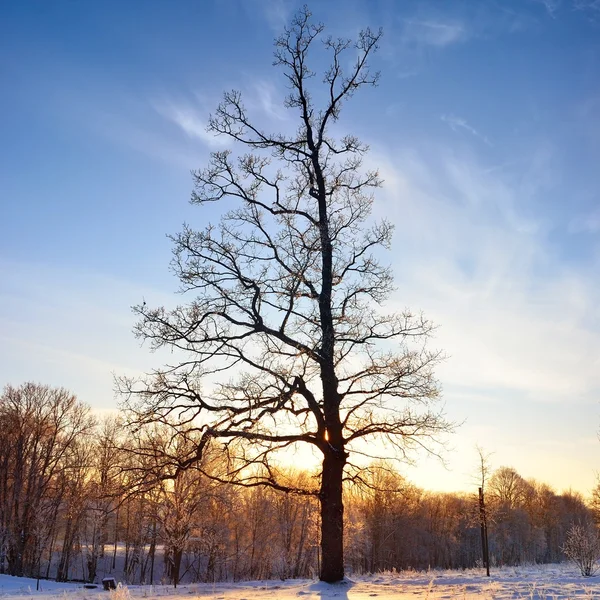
485,128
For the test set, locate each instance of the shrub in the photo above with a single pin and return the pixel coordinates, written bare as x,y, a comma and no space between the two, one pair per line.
121,593
582,546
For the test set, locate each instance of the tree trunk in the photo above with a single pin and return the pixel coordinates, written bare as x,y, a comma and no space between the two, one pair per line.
177,555
114,557
152,552
53,537
127,541
332,517
15,555
62,573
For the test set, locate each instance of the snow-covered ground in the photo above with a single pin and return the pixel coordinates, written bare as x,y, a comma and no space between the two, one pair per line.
550,582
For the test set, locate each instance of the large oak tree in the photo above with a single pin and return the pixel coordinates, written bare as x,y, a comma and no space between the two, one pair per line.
284,340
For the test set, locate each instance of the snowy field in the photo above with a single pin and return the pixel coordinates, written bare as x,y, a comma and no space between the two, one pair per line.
550,582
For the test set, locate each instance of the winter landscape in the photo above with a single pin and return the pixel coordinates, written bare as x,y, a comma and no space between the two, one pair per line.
550,582
364,360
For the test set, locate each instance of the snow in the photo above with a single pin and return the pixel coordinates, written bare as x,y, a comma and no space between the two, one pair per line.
548,582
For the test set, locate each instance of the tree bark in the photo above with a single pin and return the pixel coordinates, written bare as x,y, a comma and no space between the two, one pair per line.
152,551
65,556
114,557
177,555
332,517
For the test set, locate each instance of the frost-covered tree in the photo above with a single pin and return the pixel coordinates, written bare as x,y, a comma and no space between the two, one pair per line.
582,546
41,428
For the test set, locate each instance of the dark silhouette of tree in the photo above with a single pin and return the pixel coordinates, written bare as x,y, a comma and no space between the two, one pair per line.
284,340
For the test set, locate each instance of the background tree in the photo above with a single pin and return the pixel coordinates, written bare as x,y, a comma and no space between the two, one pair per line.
75,485
179,504
285,341
294,518
41,428
209,531
508,488
595,502
103,492
484,473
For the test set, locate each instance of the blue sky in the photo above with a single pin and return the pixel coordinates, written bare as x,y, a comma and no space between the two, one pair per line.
485,128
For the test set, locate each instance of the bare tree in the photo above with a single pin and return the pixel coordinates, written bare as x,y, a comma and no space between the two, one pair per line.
508,489
484,472
40,429
286,332
76,493
595,501
582,546
103,492
179,506
294,518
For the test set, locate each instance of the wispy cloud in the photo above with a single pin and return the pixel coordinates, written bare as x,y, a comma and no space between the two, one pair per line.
190,120
132,121
458,123
147,139
588,223
265,96
521,328
590,7
434,33
276,12
551,6
480,269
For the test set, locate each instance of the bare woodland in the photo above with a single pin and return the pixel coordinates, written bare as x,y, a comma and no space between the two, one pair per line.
77,502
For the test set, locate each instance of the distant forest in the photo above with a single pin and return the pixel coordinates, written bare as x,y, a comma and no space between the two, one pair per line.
78,501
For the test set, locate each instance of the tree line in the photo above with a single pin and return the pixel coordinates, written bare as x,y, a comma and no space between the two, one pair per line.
82,498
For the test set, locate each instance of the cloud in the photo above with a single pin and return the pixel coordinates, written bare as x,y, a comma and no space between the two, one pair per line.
149,140
588,223
458,123
190,121
511,317
258,95
520,328
276,12
434,33
265,96
591,8
551,6
129,120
